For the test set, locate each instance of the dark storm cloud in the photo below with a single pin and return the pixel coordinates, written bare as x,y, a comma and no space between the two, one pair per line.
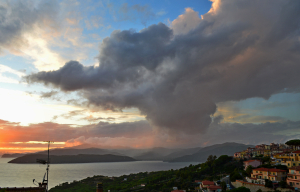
126,129
239,50
20,17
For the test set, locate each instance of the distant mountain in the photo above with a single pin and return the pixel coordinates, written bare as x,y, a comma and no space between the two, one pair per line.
13,155
181,152
63,159
155,154
218,150
72,151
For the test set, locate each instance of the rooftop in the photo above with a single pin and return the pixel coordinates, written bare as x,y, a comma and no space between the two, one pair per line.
269,170
205,182
249,161
214,187
296,168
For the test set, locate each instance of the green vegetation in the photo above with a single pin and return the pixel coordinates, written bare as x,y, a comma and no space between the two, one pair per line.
269,166
223,185
249,170
294,143
213,169
268,183
282,184
236,175
240,189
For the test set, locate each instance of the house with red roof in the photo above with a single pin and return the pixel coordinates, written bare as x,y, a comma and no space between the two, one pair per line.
260,174
206,183
209,186
293,177
253,163
214,188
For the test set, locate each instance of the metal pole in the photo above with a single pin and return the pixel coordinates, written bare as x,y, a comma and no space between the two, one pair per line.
48,166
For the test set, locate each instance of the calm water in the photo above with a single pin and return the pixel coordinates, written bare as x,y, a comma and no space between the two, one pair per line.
21,175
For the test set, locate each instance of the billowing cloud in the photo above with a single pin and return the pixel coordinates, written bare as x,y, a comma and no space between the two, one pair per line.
186,22
238,50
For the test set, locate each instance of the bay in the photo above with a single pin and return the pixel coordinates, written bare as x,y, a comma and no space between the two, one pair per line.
21,175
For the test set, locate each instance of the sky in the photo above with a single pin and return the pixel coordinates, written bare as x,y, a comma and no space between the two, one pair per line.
142,74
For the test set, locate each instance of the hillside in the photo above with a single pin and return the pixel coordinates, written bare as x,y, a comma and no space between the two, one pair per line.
163,181
218,150
155,154
13,155
86,158
180,153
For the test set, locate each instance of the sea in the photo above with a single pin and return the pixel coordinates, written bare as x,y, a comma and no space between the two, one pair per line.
22,175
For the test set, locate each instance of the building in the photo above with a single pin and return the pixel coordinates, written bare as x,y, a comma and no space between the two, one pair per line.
260,174
99,187
206,183
237,155
214,188
293,177
253,163
210,186
294,159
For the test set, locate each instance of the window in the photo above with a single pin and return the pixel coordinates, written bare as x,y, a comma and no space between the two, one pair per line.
294,164
295,177
273,173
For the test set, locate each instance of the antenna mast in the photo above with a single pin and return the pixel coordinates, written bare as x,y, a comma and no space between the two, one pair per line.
48,162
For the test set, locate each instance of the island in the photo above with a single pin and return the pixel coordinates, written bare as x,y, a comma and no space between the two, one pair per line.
64,159
13,155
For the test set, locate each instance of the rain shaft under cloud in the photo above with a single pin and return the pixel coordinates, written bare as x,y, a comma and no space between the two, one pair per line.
238,50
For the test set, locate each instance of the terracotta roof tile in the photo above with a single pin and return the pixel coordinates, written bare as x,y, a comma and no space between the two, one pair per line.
269,170
205,182
297,168
214,187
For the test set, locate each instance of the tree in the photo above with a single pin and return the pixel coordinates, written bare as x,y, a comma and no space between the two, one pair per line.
259,190
211,158
249,170
282,184
223,185
294,143
240,189
235,175
268,183
266,159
